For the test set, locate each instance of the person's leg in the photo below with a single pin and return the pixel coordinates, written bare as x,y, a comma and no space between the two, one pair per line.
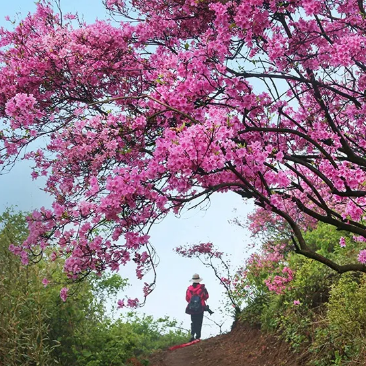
193,327
198,328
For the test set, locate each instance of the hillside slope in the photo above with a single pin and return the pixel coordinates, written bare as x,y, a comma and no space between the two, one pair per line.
243,346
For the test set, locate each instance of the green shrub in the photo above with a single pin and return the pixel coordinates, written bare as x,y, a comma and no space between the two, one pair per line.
38,328
345,336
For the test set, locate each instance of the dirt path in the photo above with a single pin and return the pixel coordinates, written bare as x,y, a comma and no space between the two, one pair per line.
243,346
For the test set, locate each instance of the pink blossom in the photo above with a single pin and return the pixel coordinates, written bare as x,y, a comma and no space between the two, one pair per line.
112,3
15,249
45,282
24,257
342,242
362,256
296,302
133,303
121,304
63,293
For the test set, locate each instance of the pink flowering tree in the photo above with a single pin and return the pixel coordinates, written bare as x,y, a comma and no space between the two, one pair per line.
181,100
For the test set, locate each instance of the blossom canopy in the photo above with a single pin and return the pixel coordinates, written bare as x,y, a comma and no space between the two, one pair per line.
259,97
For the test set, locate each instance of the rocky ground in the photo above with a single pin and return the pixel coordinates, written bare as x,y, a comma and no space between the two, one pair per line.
245,346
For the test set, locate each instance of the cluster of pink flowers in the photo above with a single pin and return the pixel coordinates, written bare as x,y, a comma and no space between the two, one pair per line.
342,242
45,282
63,293
111,4
270,258
131,303
362,256
279,284
22,110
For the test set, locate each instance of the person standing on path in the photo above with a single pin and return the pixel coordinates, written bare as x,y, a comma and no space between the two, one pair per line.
196,296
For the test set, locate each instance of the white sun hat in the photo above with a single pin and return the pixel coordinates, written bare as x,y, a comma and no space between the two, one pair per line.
196,278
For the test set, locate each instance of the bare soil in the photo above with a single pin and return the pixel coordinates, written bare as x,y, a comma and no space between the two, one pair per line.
244,345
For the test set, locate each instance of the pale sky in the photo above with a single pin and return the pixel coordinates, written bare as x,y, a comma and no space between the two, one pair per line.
173,272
